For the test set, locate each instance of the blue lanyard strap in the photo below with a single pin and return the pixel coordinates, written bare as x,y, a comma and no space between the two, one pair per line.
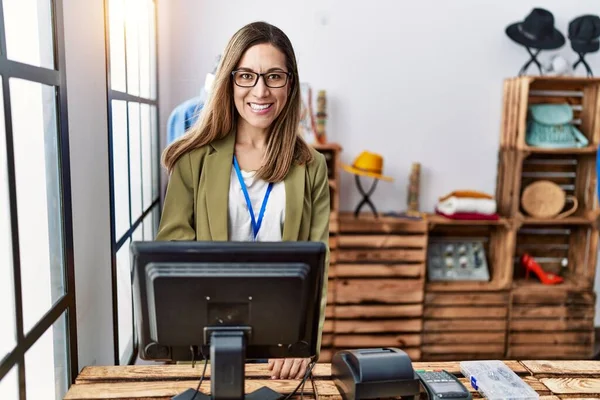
255,224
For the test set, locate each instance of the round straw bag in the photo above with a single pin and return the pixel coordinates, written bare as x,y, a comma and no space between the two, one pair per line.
545,199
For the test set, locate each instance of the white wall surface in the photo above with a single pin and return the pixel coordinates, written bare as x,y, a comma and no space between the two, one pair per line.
88,136
416,81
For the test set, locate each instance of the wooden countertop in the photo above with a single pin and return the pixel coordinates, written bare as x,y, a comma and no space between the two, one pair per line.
551,379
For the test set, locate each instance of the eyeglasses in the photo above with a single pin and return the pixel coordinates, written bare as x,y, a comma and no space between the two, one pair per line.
274,79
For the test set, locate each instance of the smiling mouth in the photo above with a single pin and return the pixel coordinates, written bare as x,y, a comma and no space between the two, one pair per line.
260,107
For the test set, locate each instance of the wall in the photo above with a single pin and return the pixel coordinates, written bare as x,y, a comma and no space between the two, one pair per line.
88,137
416,81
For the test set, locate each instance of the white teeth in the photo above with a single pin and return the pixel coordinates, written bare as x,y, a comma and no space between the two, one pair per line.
259,107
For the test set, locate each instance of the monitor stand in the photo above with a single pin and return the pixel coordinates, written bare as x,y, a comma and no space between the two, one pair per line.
228,367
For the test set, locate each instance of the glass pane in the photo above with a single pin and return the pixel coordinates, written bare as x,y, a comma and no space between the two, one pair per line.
153,61
149,226
116,20
132,10
46,367
9,385
147,158
155,155
7,294
120,167
138,234
28,25
144,42
124,302
135,160
38,197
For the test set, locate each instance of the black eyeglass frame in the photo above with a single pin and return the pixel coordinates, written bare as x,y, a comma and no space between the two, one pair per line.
289,75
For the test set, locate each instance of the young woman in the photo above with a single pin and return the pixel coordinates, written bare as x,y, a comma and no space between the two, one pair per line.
242,173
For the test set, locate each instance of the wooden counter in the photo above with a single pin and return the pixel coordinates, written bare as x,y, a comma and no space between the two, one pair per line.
551,379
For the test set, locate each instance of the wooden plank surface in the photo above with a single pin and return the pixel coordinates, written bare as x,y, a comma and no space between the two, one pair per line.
381,255
366,223
167,389
461,338
573,386
382,241
379,270
545,368
557,351
550,379
460,325
378,311
470,299
379,290
401,340
552,337
379,326
465,312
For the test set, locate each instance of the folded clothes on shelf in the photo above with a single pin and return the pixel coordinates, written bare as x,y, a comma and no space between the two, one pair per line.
467,204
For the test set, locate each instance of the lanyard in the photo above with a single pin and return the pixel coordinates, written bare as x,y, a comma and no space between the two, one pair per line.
255,224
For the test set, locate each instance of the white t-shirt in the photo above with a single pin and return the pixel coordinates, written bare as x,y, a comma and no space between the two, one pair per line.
239,221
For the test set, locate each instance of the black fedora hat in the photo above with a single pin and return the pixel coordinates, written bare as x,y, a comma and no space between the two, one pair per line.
584,34
537,31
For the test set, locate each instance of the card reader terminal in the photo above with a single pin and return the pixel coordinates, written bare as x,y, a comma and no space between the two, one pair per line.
440,384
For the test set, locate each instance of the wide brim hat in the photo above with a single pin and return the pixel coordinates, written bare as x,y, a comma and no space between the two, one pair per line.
368,164
584,34
537,31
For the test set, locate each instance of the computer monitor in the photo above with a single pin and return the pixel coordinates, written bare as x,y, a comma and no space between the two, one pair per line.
228,301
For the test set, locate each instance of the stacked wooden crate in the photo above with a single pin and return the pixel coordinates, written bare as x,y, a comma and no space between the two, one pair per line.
560,315
379,283
331,151
467,319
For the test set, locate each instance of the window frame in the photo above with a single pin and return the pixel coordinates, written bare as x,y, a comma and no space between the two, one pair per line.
155,204
65,305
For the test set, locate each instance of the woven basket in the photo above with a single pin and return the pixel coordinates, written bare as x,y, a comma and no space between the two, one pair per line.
545,199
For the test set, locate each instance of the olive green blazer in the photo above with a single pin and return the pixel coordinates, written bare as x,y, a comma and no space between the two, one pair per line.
195,205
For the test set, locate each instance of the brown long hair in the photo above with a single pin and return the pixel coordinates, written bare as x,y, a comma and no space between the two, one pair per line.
284,145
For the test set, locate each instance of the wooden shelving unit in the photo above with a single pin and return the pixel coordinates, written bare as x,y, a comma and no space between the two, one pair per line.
529,319
551,321
378,292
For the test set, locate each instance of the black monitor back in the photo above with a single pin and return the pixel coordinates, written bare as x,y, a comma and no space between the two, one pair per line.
183,290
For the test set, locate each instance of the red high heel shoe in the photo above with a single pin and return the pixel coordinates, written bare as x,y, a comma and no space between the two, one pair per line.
547,278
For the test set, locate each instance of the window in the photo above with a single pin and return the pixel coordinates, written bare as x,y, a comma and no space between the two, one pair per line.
38,349
133,147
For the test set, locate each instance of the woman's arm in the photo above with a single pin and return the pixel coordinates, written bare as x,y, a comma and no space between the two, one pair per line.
177,219
319,226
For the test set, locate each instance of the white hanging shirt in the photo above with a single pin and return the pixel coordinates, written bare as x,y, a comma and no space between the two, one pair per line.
239,220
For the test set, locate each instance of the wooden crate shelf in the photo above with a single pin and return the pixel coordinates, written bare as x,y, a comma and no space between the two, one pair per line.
581,93
498,242
463,326
380,276
551,322
574,173
550,245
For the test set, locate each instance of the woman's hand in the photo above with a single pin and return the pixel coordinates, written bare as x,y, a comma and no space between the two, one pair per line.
288,368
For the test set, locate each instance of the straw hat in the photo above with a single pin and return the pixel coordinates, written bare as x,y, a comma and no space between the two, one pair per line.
368,164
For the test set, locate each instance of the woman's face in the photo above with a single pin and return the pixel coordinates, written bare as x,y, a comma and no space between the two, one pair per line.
259,105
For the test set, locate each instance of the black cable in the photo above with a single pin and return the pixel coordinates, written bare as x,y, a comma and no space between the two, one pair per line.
306,375
203,372
314,386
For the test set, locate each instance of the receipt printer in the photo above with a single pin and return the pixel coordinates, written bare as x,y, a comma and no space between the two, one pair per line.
374,373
